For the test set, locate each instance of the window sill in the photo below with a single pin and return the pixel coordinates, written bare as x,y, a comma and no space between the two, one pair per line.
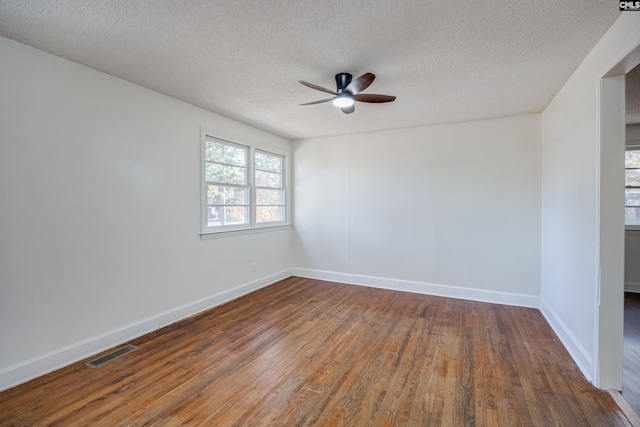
245,231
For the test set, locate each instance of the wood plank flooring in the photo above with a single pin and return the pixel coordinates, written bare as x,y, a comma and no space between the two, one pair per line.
631,365
310,353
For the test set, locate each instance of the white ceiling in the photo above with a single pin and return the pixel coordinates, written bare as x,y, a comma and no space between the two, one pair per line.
445,61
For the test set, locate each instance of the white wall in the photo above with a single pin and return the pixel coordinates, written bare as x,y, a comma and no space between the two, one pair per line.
570,287
100,214
451,210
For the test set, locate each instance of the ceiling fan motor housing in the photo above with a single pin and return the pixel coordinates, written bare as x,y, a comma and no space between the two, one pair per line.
342,81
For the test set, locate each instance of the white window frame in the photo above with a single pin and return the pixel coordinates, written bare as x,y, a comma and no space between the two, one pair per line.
252,226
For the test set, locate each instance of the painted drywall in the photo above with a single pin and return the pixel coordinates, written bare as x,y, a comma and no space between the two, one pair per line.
570,287
100,213
610,214
632,237
451,210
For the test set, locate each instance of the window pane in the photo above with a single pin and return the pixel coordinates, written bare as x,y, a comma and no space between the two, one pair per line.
213,216
269,214
632,159
229,215
269,197
235,215
225,174
632,196
632,177
224,195
223,153
268,179
632,216
268,162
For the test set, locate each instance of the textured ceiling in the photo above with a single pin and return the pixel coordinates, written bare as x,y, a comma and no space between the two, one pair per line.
445,61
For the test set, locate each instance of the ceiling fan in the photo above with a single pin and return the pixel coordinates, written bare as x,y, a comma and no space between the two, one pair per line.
348,91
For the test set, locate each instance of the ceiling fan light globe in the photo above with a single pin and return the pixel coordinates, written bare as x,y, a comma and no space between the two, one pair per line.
343,101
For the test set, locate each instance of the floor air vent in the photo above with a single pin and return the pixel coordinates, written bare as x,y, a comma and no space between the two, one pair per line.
110,356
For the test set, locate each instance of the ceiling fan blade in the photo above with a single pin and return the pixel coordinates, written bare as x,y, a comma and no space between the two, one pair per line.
312,86
360,84
348,110
374,98
318,102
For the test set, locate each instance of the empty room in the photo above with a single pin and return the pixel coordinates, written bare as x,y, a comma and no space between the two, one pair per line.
358,213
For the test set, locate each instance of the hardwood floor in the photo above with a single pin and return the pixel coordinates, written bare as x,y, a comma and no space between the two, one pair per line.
631,365
307,352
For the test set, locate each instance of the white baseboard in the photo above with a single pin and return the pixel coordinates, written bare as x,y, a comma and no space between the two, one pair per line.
582,358
521,300
41,365
632,287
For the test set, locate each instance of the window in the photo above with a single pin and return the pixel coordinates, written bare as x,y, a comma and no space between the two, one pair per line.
632,187
227,183
243,187
269,183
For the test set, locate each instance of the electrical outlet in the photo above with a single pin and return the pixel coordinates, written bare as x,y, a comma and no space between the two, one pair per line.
253,267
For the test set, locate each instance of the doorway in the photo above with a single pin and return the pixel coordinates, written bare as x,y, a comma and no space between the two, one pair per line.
609,299
631,348
611,194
